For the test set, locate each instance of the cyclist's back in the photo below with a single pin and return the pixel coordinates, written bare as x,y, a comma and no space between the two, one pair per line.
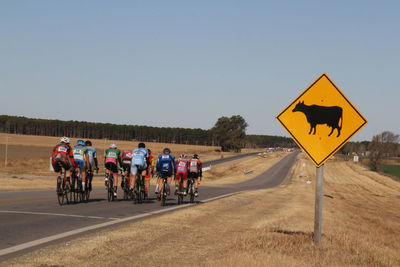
165,162
140,157
92,154
80,154
195,171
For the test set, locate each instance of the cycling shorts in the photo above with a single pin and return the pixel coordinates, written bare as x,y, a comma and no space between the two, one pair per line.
168,172
182,175
80,164
134,167
112,167
194,175
126,167
61,163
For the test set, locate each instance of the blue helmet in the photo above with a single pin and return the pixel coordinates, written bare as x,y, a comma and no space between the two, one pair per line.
166,151
80,142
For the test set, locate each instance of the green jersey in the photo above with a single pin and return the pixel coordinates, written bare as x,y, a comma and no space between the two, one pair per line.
112,155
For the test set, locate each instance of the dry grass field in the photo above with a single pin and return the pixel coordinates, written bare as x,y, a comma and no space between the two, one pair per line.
273,227
28,161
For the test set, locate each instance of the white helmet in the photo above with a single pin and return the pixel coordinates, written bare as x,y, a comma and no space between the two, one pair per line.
64,139
113,146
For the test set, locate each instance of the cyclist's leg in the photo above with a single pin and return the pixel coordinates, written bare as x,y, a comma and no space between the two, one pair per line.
177,179
108,172
83,175
185,183
196,186
58,170
134,170
114,171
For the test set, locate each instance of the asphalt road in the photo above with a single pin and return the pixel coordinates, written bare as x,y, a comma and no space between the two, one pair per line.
33,219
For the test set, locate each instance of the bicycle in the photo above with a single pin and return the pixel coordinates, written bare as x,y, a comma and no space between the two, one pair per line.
88,186
64,191
164,187
191,189
110,187
126,188
77,190
140,189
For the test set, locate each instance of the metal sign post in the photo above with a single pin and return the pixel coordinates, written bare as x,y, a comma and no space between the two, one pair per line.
321,120
319,181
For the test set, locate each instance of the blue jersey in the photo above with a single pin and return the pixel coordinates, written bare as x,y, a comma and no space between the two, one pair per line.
165,162
91,151
139,156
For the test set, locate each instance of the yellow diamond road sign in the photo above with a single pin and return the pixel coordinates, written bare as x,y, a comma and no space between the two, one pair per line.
321,120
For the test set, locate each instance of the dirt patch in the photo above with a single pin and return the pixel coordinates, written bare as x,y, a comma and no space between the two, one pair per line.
271,227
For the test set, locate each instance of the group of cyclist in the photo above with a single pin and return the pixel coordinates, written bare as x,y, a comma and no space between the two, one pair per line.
83,157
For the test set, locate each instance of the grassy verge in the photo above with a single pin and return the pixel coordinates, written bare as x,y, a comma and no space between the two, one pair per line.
392,170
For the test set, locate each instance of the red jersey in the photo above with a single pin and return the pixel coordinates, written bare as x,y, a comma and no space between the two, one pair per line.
63,151
181,165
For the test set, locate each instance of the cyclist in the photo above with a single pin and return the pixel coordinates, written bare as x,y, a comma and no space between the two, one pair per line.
81,161
62,158
195,171
150,171
93,164
126,166
112,158
181,172
140,159
165,162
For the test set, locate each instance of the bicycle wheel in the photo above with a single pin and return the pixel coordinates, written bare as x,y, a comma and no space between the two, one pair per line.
138,195
60,197
143,188
125,193
163,193
180,195
60,193
191,189
110,190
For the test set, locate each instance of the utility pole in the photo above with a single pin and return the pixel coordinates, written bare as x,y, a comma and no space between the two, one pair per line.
5,161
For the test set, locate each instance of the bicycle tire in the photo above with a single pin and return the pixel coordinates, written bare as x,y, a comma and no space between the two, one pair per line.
180,196
191,189
143,188
60,192
163,193
60,197
125,194
138,195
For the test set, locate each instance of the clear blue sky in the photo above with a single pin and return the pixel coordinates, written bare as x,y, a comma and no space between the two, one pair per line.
186,63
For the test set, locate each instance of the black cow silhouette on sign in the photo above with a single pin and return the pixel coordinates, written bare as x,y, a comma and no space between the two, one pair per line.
322,115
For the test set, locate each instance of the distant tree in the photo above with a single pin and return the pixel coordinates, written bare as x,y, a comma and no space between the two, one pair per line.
383,145
230,133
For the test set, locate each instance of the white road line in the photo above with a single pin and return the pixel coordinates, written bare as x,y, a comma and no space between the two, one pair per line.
92,227
54,214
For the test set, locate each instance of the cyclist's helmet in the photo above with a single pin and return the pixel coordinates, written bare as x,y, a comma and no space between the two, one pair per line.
195,156
141,145
166,150
88,143
149,151
64,139
80,142
113,146
182,156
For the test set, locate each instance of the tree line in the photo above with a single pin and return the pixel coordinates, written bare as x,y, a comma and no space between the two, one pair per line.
229,137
